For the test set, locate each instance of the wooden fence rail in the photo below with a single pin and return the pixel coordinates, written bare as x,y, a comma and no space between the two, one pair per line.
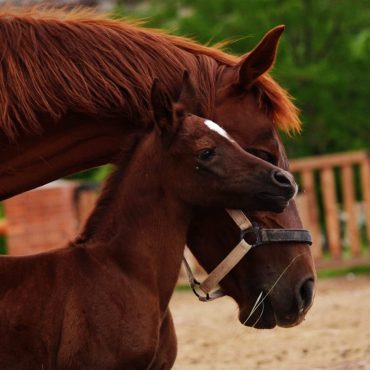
326,173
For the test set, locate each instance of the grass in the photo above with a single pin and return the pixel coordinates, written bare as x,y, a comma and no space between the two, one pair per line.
322,274
356,270
183,287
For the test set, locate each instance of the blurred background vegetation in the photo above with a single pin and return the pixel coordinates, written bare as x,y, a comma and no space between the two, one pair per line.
323,60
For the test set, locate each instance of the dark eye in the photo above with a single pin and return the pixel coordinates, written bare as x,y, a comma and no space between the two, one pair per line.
266,156
206,154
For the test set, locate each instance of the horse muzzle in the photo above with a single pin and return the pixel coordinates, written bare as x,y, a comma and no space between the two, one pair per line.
205,291
269,310
282,188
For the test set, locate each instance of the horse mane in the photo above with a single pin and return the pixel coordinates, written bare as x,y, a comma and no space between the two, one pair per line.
278,103
55,62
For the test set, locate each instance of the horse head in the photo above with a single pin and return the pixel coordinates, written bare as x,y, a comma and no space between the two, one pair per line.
282,272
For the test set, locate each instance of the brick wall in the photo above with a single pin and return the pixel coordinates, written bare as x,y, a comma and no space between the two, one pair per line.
41,219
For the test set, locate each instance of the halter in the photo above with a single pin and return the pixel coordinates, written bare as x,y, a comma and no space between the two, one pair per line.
204,291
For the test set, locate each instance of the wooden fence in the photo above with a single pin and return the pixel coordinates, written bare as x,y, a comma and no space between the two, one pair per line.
334,203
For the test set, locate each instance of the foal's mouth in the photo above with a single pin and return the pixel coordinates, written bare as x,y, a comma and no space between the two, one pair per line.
275,202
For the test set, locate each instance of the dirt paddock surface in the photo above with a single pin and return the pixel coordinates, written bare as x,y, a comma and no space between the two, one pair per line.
335,335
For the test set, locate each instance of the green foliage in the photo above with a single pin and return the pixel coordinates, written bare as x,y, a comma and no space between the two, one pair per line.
356,270
323,58
2,245
97,174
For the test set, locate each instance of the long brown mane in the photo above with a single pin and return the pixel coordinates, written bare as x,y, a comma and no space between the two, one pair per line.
56,62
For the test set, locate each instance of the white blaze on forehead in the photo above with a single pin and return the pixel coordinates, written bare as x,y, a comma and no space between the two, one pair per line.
215,127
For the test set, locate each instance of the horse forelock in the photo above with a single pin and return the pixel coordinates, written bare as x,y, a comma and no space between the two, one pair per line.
55,62
277,102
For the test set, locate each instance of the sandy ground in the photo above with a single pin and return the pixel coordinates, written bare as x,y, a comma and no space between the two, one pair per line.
335,335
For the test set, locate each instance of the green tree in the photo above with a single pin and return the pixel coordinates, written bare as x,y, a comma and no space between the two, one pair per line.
323,58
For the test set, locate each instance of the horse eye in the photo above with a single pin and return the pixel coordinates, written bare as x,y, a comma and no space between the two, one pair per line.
266,156
206,154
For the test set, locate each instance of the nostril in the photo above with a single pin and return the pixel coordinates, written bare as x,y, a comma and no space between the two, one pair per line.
305,294
282,179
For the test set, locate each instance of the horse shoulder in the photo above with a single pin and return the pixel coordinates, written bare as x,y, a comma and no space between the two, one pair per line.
102,325
28,310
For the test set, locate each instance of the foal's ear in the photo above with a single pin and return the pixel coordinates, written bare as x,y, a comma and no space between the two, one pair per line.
162,107
261,58
188,95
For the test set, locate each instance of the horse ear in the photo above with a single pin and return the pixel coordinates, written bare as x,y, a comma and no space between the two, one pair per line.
188,95
261,58
162,107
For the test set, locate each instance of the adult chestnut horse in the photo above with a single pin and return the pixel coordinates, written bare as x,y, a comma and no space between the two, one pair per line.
74,91
100,303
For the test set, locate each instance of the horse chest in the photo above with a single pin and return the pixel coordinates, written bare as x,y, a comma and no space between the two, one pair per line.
107,349
107,330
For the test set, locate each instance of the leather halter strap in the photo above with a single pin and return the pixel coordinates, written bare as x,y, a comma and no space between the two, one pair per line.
268,236
263,236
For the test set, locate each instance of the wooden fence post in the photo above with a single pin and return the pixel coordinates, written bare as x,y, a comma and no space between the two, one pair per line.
350,208
331,214
365,180
308,182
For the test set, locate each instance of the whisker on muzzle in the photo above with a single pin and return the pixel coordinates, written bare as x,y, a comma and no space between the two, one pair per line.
260,300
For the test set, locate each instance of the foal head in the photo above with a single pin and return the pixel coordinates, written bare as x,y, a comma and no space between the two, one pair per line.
205,166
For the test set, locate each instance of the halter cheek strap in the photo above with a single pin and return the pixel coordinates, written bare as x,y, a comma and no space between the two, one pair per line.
204,291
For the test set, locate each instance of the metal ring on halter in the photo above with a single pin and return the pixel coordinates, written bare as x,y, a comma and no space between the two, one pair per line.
261,235
201,297
204,297
254,231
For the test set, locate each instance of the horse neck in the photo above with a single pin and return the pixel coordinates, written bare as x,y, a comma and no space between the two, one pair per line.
139,224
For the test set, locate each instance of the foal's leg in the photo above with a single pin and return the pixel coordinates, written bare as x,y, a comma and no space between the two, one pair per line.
167,346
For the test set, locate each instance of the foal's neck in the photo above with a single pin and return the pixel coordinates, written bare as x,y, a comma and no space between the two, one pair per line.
140,223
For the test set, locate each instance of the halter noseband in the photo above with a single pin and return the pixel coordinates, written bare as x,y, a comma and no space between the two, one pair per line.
204,291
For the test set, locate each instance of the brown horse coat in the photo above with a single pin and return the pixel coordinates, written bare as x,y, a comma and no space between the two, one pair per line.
102,302
75,91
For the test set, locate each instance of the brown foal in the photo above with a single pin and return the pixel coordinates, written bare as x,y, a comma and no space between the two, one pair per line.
100,302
